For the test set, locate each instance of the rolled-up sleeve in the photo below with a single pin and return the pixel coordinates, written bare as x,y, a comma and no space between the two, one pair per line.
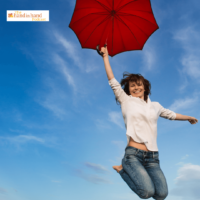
118,91
166,113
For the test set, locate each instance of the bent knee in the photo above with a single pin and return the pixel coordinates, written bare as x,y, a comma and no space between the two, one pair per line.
161,195
147,194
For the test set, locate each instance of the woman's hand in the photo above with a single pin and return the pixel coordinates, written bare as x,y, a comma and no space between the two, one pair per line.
193,120
105,51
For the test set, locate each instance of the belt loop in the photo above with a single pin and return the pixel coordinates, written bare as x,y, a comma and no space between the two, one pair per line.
136,152
153,154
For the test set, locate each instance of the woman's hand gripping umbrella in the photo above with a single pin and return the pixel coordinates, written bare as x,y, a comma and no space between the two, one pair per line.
103,52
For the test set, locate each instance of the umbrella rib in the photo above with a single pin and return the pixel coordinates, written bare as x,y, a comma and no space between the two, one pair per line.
139,17
119,4
128,28
103,6
107,33
90,14
96,27
83,8
140,11
112,25
112,31
137,26
125,5
86,26
108,2
121,36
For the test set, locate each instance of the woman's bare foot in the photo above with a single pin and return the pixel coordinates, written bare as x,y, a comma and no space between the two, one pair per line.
117,168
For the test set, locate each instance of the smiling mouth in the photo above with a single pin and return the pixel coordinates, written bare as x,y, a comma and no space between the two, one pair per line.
137,92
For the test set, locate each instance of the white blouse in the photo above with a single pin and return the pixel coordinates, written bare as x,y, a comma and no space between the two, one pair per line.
140,117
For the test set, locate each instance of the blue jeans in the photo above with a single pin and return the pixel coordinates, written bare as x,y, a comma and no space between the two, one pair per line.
142,173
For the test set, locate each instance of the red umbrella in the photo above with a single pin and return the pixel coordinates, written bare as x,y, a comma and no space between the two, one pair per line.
124,25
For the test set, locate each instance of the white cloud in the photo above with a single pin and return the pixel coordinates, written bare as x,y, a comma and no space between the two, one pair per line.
74,57
54,99
17,131
102,124
18,141
184,157
187,182
96,167
2,190
55,108
86,61
61,66
191,65
22,139
180,163
70,49
54,181
120,144
93,178
188,172
183,104
116,117
149,57
121,147
184,82
189,39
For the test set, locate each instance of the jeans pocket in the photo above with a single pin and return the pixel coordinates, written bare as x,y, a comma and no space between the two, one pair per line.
128,158
130,151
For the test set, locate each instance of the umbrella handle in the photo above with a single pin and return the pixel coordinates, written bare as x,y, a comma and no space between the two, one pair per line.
99,52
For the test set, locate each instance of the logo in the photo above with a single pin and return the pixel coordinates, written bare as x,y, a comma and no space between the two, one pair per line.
10,15
28,15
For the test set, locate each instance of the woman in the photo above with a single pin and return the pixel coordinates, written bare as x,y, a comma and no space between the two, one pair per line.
140,167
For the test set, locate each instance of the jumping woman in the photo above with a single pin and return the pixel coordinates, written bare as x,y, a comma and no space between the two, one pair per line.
140,167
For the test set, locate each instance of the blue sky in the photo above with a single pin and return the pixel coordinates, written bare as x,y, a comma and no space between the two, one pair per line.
61,130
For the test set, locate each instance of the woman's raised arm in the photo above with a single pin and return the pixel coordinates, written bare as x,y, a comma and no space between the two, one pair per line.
115,85
108,68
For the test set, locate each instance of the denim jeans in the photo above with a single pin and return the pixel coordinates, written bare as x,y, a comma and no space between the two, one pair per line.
142,173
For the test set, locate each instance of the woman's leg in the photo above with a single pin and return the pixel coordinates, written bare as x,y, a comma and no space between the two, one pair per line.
136,176
158,178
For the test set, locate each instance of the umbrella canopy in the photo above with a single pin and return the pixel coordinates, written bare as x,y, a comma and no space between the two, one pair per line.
124,25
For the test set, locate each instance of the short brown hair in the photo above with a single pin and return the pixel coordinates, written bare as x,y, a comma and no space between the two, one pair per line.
135,78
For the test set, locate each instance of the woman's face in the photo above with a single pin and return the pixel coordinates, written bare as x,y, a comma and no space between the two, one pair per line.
136,89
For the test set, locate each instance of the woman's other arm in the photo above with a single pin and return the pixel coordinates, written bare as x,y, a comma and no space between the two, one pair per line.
108,68
168,114
192,120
